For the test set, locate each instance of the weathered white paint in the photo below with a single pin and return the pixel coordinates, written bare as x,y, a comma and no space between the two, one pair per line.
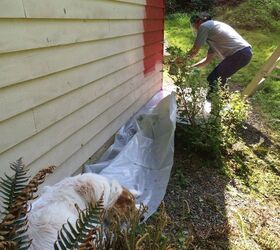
48,139
85,9
84,151
11,8
51,112
20,97
45,115
27,65
72,72
63,31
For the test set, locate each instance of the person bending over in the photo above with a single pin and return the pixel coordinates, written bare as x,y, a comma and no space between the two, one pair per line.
224,42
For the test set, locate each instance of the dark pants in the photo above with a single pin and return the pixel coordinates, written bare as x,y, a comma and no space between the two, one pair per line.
229,66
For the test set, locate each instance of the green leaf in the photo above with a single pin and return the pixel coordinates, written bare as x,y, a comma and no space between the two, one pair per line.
87,221
72,229
67,241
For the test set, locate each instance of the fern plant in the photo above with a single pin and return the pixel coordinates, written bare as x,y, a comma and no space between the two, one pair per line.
87,233
91,230
16,192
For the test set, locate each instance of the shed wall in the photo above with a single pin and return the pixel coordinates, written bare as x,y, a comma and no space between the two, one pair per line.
73,72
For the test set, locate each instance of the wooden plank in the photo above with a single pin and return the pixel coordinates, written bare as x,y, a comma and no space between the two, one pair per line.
46,140
86,9
23,34
11,8
265,71
19,98
156,3
18,128
27,65
140,2
80,154
22,66
55,110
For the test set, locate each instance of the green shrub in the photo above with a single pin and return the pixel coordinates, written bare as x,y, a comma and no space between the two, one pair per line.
209,134
173,6
260,14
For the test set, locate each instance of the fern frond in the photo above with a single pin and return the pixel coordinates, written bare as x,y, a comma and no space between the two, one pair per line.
90,241
86,230
11,187
7,244
16,196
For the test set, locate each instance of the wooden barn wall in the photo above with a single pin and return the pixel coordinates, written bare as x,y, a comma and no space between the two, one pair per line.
73,72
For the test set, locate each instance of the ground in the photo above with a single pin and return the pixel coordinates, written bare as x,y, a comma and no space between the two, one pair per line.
237,206
213,210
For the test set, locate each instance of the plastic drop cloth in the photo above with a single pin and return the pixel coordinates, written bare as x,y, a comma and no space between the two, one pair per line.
141,156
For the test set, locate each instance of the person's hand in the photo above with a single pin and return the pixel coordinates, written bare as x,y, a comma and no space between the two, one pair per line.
179,60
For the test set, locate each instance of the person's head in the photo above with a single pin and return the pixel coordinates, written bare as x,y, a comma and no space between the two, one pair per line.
197,19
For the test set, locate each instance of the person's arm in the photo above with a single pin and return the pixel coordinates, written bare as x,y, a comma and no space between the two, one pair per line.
205,61
193,52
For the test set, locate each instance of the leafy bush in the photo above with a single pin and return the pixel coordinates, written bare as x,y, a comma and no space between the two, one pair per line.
210,134
260,14
173,6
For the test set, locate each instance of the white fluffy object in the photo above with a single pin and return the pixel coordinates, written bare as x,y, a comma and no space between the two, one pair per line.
56,205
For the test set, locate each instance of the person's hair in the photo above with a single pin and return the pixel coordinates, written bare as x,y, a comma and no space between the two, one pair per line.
203,16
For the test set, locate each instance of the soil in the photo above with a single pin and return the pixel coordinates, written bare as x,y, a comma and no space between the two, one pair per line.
202,202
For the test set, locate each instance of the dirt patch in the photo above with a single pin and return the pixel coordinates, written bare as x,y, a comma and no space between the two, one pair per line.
209,209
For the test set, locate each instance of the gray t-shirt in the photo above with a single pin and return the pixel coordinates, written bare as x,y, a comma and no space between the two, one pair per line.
221,38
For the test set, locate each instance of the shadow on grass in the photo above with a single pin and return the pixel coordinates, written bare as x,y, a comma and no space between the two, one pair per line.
251,136
195,200
261,145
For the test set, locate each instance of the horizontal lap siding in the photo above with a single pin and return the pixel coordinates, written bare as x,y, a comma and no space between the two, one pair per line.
72,72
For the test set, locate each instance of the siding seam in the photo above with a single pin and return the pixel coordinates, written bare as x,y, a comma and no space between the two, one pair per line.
24,10
34,121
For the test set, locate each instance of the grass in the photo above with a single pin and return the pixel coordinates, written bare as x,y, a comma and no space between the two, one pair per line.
249,196
267,100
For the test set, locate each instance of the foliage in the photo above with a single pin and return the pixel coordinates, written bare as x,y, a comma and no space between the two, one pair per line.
16,193
97,229
94,229
173,6
127,234
260,14
207,133
190,87
252,163
268,97
178,33
87,233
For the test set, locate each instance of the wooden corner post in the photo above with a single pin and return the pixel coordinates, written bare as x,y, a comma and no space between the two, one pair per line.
264,72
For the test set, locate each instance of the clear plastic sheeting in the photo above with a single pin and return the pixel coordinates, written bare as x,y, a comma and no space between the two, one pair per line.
141,157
